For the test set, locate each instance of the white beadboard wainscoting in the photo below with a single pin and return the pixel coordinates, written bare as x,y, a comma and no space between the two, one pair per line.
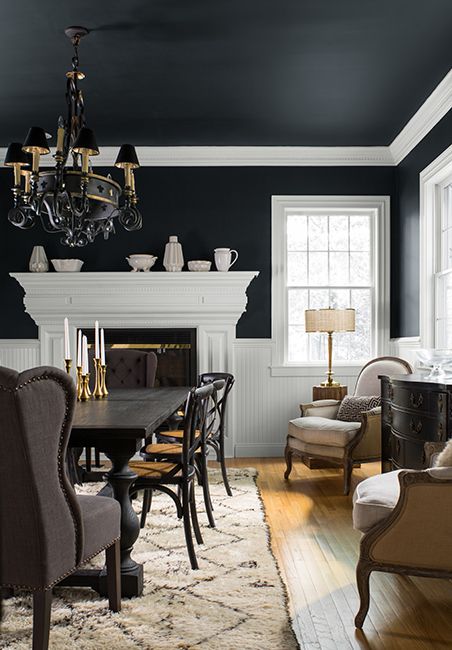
263,403
19,354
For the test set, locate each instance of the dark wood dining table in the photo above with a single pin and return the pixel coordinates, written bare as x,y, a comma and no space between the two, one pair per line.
116,426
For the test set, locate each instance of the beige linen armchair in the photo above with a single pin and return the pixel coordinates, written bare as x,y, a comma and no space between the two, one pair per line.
405,518
318,434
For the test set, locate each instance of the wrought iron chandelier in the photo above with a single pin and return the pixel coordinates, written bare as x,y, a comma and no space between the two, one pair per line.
69,198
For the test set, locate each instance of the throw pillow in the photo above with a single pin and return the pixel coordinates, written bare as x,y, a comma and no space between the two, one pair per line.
444,459
351,407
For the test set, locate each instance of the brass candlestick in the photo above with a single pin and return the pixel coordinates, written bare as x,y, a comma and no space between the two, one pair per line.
79,382
98,393
85,392
68,364
103,369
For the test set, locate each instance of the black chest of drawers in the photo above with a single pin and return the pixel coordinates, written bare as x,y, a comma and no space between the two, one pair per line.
414,410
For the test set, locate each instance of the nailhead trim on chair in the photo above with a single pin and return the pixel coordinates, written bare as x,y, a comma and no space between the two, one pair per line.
52,377
65,575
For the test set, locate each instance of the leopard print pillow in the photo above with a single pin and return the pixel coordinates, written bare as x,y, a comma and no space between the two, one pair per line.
351,407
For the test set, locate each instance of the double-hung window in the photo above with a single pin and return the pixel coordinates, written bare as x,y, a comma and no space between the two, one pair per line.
329,252
443,274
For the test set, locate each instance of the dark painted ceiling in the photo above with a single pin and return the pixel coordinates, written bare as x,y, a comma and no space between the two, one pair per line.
226,72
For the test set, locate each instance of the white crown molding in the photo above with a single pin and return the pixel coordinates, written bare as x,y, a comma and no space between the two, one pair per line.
246,156
429,114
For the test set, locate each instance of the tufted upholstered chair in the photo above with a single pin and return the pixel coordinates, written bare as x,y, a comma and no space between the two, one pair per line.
125,369
130,368
405,518
46,530
318,434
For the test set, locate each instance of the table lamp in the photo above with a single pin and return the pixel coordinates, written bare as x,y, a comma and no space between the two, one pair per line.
329,320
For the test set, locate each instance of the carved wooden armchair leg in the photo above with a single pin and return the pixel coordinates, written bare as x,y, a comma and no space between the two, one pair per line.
348,469
42,602
363,571
288,457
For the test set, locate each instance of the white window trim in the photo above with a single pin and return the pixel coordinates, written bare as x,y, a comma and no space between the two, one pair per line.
380,205
430,197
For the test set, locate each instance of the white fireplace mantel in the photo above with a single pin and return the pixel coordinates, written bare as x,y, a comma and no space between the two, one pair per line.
210,302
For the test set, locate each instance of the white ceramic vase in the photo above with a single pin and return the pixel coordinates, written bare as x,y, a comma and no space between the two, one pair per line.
173,259
38,260
223,258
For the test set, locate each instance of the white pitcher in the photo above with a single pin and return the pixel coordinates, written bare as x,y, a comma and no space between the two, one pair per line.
223,258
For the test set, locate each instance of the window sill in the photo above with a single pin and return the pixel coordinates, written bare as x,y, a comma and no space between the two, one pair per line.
310,370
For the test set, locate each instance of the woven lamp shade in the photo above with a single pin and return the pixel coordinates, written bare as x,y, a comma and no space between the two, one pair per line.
329,320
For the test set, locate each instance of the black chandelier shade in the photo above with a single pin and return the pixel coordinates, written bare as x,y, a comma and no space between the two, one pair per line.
127,157
16,156
68,197
85,142
36,141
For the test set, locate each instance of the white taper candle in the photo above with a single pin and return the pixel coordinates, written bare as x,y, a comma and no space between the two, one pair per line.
85,366
102,347
67,347
96,339
79,349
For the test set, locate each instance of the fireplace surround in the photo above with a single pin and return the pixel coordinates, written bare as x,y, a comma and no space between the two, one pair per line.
209,303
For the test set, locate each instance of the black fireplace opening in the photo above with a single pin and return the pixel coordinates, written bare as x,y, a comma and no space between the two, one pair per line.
175,350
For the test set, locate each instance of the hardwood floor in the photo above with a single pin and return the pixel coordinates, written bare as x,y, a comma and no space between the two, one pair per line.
317,550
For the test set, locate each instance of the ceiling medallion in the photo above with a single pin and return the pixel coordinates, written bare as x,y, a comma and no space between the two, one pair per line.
69,198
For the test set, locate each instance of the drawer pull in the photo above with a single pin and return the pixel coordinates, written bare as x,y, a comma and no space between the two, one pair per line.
416,401
415,428
440,403
397,447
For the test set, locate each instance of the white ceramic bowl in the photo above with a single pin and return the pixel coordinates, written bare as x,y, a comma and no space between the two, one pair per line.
67,266
141,262
199,265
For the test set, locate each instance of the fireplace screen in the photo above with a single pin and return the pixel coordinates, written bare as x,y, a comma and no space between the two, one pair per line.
175,350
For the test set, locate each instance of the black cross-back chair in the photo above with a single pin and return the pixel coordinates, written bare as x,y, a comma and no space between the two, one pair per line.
216,437
171,452
179,472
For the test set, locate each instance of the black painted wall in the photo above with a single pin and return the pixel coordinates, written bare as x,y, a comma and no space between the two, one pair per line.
405,229
207,207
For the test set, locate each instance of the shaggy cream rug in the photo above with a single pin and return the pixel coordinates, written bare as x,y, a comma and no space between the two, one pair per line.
236,601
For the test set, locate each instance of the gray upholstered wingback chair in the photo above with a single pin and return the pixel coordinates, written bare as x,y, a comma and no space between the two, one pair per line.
46,530
318,434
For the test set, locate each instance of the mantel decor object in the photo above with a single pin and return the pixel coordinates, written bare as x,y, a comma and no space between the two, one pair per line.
223,258
69,198
141,262
38,260
173,259
67,266
329,321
